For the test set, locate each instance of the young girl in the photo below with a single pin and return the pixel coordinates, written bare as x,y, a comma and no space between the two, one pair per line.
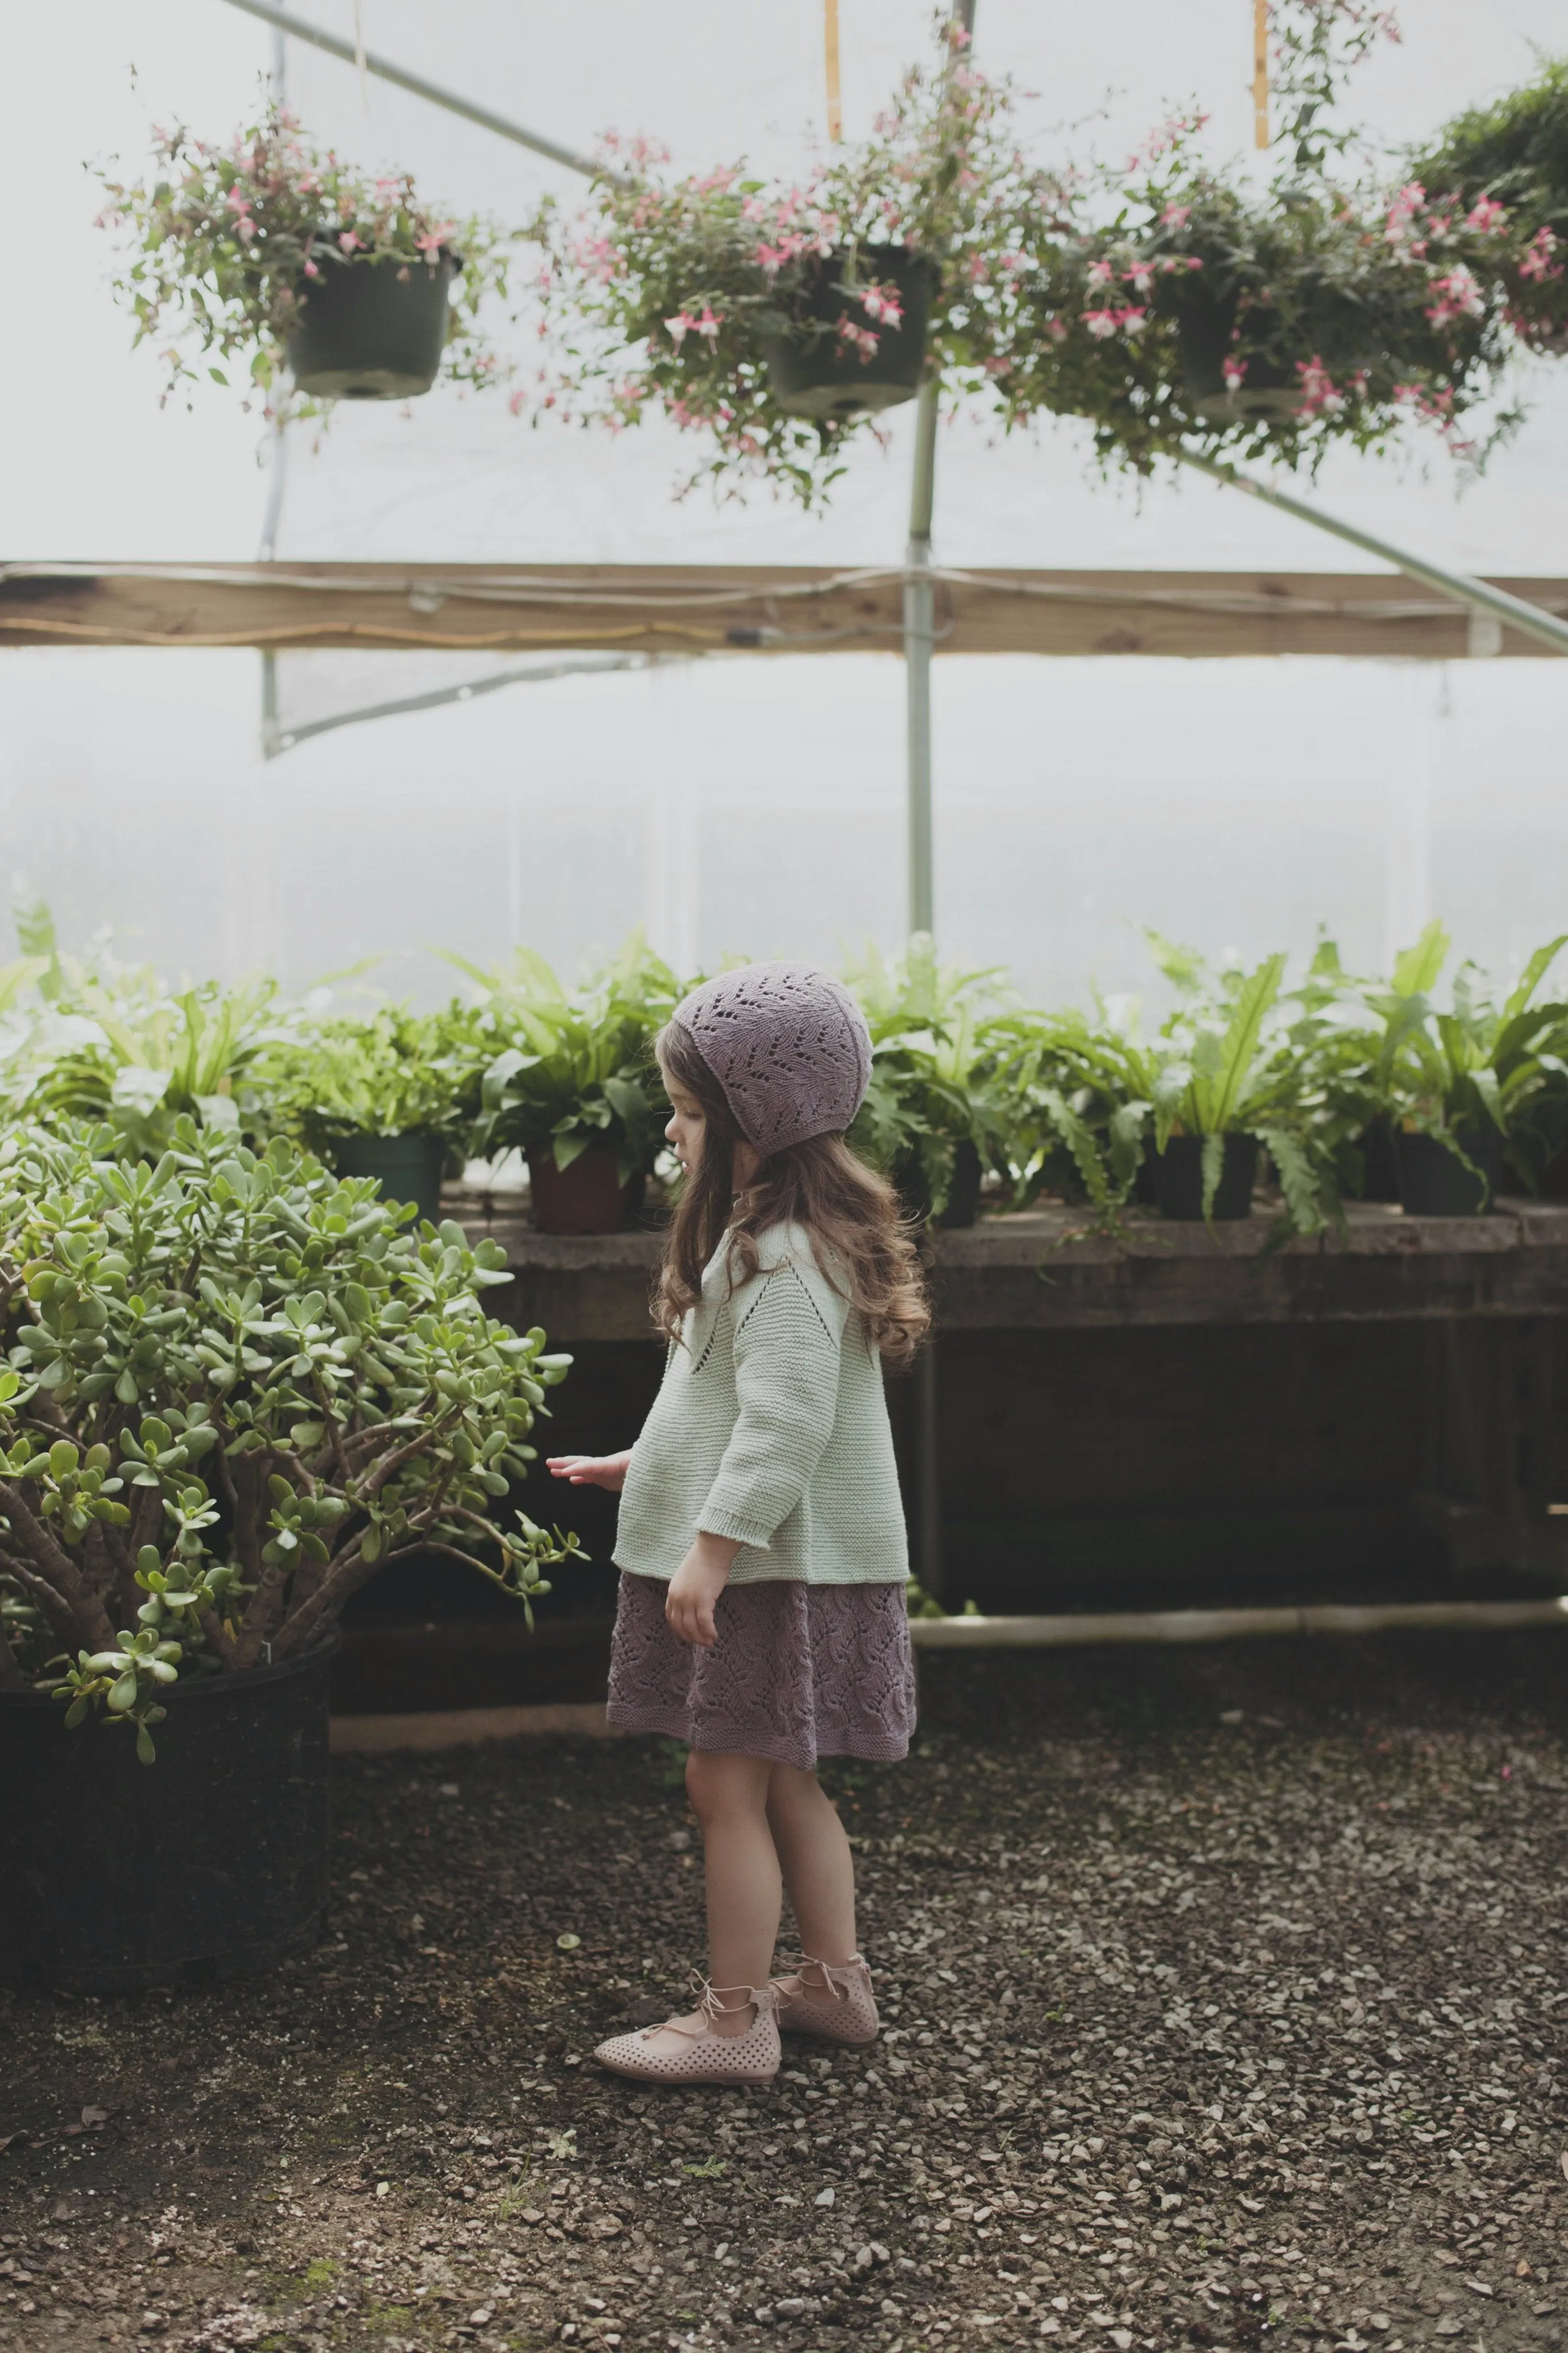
761,1541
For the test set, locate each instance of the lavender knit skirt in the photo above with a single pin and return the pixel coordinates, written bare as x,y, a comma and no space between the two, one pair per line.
798,1671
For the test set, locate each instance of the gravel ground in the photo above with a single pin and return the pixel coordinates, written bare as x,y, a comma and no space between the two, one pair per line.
1221,1991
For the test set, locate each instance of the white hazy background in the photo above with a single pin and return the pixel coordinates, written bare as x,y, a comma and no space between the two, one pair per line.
735,805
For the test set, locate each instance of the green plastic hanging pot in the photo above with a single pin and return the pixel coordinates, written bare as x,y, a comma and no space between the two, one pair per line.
826,375
407,1167
372,330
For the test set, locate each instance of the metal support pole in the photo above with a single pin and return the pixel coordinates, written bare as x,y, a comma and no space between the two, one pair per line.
302,29
920,629
1495,604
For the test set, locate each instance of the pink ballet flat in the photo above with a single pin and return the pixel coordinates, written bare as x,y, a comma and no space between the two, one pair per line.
709,2057
829,1999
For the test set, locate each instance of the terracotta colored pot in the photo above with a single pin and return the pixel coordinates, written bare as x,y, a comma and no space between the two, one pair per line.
586,1198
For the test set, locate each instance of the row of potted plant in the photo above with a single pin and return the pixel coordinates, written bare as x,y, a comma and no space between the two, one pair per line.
1166,300
1341,1087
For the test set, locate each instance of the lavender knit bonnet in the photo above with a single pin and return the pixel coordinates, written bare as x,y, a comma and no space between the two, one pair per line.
788,1045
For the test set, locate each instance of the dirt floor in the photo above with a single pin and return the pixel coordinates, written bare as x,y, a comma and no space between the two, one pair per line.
1222,1992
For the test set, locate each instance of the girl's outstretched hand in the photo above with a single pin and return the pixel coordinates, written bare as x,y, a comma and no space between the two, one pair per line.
695,1587
591,1469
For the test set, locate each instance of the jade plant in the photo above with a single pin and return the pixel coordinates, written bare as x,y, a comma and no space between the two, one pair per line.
221,244
235,1389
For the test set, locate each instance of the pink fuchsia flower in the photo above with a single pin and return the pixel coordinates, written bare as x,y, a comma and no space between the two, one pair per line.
312,269
1141,277
882,303
1536,261
1320,396
434,239
1234,372
1459,297
349,241
1407,201
1486,216
1175,215
679,328
1100,273
859,339
1103,324
707,327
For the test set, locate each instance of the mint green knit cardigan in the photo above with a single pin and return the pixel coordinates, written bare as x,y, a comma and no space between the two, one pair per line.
769,1427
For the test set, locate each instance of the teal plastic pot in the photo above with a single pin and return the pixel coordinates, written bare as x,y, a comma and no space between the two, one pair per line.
1182,1178
823,376
406,1167
372,330
1435,1182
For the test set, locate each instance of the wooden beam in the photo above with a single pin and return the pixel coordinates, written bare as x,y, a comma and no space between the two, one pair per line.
688,609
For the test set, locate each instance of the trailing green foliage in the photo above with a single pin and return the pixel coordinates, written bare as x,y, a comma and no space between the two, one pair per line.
235,1389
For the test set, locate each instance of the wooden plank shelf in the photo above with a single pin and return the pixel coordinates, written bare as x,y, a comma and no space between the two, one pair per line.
1042,1271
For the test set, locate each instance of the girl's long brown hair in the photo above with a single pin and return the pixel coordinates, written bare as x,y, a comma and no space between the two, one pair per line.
821,1185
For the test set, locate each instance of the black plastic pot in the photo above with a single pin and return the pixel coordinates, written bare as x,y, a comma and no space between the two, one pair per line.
372,330
1435,1182
407,1167
1380,1162
208,1863
962,1208
1204,333
1182,1178
825,377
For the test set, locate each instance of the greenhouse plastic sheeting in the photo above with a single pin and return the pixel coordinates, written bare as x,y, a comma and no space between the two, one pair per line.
739,805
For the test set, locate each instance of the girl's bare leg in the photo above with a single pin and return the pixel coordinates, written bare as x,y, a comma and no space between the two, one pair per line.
728,1795
818,1868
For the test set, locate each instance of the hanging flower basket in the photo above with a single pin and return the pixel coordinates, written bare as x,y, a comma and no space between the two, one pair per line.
373,329
861,341
269,255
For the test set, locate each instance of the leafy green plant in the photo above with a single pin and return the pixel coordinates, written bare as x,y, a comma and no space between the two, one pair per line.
1479,1067
111,1042
387,1073
236,1390
221,243
571,1069
938,1051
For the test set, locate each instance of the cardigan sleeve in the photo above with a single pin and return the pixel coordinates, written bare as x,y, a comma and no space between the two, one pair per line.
789,1332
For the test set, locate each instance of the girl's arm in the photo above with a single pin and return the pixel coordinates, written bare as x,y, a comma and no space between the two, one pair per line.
591,1470
787,1341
